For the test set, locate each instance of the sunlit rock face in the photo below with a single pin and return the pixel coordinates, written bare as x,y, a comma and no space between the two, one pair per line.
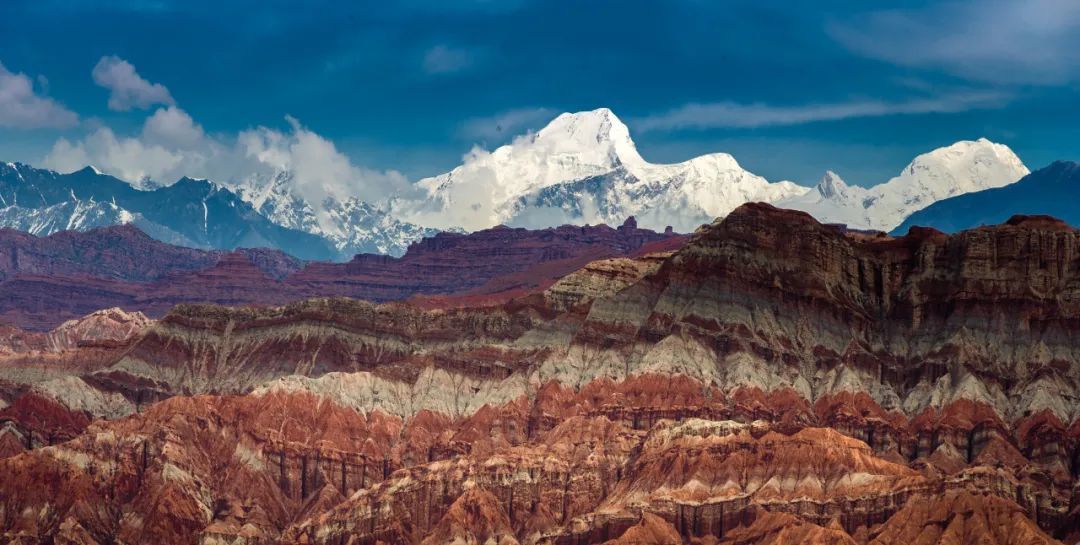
773,381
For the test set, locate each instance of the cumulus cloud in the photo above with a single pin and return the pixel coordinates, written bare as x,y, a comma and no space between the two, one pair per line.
171,145
127,89
504,125
173,127
125,157
443,59
998,41
319,169
22,108
736,115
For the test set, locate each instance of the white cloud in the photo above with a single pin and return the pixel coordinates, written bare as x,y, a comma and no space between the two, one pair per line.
173,127
127,158
736,115
172,145
319,169
22,108
443,59
999,41
504,125
127,89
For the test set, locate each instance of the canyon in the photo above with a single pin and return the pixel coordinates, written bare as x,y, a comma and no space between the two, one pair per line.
768,379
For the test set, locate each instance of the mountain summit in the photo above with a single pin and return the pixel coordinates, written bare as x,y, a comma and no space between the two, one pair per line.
964,167
1051,190
584,168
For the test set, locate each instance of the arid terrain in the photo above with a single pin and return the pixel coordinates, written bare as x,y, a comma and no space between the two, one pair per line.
772,380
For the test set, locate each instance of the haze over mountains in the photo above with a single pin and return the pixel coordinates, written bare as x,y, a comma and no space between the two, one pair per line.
582,168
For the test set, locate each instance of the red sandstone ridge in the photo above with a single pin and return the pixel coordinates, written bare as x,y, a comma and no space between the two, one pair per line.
773,381
960,517
45,281
481,263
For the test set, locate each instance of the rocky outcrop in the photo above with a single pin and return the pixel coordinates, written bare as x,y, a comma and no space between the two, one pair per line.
773,528
959,516
102,327
602,278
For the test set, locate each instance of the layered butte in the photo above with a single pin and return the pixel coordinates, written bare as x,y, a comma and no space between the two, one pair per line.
772,380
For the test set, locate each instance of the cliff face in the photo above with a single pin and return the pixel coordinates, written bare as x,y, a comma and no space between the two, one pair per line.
772,381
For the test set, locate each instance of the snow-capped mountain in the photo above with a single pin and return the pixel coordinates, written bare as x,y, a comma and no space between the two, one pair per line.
73,215
1051,190
580,168
584,168
195,213
963,167
353,226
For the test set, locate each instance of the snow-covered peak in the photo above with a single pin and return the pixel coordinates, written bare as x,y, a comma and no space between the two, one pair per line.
963,167
584,168
712,162
570,147
598,133
832,185
350,224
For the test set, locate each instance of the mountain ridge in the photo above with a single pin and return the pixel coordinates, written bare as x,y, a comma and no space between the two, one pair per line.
584,168
45,280
581,168
183,210
1050,190
963,167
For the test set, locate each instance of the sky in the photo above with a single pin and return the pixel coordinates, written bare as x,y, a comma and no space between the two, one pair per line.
389,92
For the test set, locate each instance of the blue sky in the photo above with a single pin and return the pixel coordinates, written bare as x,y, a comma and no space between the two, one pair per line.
789,88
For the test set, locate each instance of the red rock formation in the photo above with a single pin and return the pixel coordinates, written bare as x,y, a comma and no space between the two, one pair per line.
771,528
44,281
652,530
121,252
959,517
773,381
475,517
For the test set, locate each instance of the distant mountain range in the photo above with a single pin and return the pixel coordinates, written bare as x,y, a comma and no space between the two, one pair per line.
963,167
582,168
194,213
351,226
